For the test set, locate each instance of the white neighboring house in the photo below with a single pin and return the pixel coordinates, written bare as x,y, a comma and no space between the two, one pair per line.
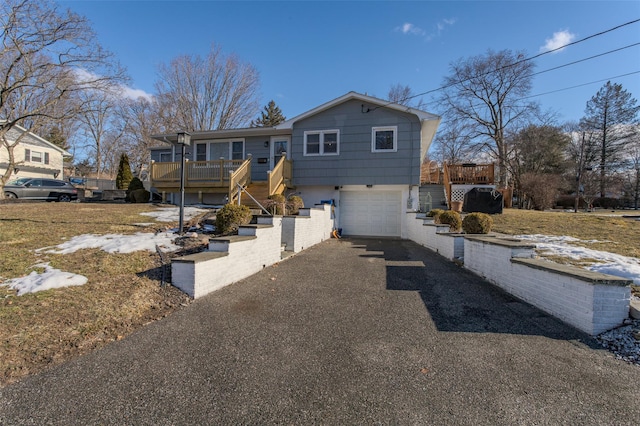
34,156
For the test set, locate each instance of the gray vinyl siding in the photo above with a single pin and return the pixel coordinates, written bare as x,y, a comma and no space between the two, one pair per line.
356,164
155,153
255,146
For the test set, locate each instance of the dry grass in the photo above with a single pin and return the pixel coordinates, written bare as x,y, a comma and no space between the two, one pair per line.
123,293
614,233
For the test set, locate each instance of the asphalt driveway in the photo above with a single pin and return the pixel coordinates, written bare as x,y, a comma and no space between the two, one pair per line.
351,331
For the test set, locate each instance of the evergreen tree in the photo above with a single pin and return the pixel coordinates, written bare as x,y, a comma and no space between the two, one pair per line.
57,137
609,116
124,172
271,116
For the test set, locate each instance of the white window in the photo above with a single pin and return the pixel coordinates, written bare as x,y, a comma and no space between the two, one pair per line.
36,156
384,139
323,142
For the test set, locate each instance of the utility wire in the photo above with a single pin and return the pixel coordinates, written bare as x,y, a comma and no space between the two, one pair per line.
581,85
586,59
518,62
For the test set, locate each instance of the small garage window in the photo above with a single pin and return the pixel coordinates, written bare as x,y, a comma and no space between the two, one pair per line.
384,139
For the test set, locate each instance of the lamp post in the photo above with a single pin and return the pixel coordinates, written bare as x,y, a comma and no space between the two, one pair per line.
184,139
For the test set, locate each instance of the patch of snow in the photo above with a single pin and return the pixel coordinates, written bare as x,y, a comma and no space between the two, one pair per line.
601,261
50,278
171,214
117,243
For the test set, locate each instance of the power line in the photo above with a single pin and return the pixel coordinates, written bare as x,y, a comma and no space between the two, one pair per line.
522,61
581,85
586,59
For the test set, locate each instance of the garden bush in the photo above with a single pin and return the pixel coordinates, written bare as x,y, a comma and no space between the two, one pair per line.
140,195
435,214
276,204
294,204
134,184
230,217
477,223
451,218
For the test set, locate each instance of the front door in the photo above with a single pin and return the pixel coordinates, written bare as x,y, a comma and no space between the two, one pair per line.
279,145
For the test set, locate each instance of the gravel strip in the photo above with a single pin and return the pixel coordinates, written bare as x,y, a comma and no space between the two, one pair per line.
623,341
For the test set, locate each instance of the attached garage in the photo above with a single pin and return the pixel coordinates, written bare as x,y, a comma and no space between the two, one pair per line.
370,213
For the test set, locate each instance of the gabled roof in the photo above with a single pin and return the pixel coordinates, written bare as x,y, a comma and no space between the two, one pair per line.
64,152
429,121
369,100
223,134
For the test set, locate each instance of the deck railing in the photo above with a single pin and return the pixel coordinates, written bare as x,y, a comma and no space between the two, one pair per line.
471,174
281,173
239,177
216,172
466,174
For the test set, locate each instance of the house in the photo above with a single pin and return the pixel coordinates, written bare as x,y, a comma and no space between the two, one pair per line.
34,156
360,153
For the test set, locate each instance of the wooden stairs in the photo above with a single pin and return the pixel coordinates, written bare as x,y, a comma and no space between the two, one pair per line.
258,190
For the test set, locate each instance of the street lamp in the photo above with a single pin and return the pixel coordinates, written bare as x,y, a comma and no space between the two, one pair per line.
184,139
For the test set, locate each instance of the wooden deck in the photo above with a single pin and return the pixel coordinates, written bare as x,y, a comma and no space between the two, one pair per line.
218,177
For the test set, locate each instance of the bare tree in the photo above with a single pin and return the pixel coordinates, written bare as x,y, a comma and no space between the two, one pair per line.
453,144
211,93
486,93
403,95
97,127
581,155
141,118
610,114
47,57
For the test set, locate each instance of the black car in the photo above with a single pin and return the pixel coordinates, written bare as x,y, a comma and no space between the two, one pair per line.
41,189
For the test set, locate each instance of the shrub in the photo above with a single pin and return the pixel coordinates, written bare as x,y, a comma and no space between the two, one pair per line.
140,195
435,214
134,185
451,218
607,203
230,217
294,204
477,223
276,204
569,201
541,189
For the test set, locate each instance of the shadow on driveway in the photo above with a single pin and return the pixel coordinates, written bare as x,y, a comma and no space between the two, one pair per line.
456,299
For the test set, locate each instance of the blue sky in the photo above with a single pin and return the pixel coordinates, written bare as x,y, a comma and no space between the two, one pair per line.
309,52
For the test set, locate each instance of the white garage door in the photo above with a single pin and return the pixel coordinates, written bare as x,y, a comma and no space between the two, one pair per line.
370,213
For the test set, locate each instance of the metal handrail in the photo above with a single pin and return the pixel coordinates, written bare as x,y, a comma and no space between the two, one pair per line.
242,189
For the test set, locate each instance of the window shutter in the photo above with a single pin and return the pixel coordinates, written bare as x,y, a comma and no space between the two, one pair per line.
46,158
27,155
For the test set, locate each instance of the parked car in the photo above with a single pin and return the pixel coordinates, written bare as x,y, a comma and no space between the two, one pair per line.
40,189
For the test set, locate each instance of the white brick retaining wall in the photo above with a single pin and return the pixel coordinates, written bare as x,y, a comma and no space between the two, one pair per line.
436,237
230,259
590,301
310,227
